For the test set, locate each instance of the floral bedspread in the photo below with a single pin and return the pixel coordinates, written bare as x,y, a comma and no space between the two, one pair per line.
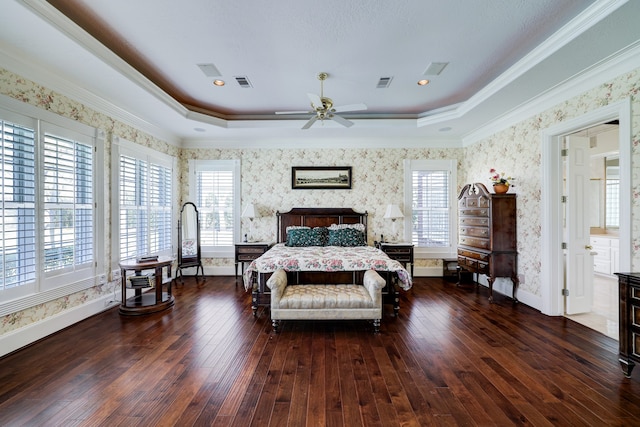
325,258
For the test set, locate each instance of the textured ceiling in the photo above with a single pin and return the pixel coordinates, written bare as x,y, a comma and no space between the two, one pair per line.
156,46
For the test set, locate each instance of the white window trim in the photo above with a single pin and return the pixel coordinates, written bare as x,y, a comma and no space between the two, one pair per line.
60,277
38,292
232,165
122,146
452,167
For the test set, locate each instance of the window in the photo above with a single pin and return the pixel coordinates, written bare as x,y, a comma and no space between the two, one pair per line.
612,192
216,184
429,201
49,226
18,228
68,204
145,202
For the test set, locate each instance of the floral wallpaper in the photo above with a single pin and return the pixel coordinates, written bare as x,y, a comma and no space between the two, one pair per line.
377,180
377,175
517,151
24,90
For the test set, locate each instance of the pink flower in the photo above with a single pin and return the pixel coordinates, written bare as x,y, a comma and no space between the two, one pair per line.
499,178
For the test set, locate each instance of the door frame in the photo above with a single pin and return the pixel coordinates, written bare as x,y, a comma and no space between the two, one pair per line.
552,258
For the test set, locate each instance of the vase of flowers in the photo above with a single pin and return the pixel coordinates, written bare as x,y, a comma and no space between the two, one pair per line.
500,182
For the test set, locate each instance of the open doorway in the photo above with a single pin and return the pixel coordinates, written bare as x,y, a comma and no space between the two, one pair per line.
603,203
552,272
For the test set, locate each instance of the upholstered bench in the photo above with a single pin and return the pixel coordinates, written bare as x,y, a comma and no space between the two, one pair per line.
326,302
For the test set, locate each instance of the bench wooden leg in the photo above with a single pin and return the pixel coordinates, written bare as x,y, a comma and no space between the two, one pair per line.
275,324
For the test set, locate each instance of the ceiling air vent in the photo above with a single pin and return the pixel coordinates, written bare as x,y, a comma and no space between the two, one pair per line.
435,68
243,81
209,70
384,82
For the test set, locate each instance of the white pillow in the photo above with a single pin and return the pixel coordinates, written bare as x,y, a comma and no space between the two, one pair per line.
295,227
359,227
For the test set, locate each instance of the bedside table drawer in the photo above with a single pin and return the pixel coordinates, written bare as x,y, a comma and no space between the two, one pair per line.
249,250
403,253
398,251
249,256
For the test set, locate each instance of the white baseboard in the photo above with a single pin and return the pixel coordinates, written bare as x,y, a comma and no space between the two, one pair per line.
505,287
211,271
427,271
29,334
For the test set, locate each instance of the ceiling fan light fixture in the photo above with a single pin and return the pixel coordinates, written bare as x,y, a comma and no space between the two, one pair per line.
323,109
423,82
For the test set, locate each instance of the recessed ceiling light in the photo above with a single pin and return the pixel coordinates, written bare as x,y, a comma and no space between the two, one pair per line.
423,82
218,82
199,129
445,129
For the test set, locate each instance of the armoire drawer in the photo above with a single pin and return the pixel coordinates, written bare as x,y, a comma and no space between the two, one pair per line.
476,242
473,265
472,254
474,231
477,212
473,221
480,202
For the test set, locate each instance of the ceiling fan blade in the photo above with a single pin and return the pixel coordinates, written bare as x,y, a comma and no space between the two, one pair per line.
295,112
311,121
350,107
315,100
342,121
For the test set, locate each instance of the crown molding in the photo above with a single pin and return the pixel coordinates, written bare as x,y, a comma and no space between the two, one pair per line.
592,15
268,143
581,23
574,28
615,65
38,74
59,21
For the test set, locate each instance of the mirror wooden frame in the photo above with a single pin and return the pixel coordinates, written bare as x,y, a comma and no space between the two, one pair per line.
189,252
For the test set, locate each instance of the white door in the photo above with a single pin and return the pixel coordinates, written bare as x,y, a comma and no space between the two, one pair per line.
579,262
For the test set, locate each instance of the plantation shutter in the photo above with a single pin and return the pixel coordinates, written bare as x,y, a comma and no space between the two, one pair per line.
17,205
133,213
68,203
145,207
430,205
215,195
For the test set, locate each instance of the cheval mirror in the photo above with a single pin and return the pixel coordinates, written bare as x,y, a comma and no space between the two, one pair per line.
189,239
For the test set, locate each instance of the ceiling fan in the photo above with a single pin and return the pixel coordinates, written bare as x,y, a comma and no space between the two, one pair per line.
324,109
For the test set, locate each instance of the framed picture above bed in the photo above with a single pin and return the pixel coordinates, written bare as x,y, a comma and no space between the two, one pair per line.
321,177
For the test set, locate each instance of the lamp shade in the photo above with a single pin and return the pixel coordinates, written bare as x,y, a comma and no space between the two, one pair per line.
249,211
393,212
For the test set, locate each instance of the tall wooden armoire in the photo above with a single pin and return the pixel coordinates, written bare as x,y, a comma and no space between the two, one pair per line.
487,234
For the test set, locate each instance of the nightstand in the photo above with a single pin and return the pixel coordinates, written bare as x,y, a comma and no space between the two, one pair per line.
450,269
401,252
247,252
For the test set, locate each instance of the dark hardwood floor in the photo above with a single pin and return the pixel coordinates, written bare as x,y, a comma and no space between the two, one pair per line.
450,358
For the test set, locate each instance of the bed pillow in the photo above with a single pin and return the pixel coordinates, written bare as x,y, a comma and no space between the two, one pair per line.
357,226
296,227
307,237
346,237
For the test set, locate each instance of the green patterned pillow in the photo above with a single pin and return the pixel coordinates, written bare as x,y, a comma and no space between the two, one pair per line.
307,237
346,237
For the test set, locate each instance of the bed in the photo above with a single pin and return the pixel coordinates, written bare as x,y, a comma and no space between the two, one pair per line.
306,261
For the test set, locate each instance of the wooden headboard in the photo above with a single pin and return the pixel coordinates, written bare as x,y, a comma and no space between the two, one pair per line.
318,217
